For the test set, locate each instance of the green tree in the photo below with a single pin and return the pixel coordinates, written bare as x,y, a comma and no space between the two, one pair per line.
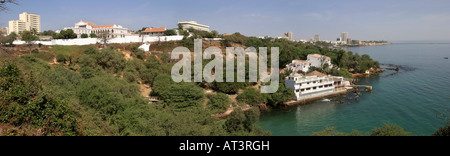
65,34
84,35
61,58
389,129
92,35
183,95
8,40
282,95
29,38
251,96
442,131
219,103
170,33
110,60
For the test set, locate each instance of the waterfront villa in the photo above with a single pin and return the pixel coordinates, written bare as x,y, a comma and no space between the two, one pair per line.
314,60
314,84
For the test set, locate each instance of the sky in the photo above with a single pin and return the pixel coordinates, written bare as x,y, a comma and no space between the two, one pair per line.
391,20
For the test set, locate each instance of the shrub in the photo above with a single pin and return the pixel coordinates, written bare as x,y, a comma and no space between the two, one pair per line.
183,95
251,96
61,58
219,103
389,129
84,35
443,131
91,50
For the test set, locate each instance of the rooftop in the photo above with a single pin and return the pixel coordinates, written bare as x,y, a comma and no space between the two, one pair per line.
103,26
316,73
151,30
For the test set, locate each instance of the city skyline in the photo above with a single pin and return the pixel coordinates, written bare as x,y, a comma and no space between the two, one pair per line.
382,20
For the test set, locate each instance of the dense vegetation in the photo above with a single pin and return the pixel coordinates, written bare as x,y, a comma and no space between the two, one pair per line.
97,93
388,129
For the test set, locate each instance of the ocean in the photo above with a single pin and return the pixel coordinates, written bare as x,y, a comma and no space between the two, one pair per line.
413,98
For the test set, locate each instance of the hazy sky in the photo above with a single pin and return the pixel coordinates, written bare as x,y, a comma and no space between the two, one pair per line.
364,19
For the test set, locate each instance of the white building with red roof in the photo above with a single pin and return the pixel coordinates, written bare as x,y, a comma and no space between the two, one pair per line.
154,31
82,27
314,60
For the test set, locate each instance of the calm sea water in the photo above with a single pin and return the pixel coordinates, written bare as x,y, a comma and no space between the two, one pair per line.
412,98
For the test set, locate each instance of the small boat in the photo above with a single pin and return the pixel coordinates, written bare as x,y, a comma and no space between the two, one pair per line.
446,58
326,100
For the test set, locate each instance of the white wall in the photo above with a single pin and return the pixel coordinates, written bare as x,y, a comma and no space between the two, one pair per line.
88,41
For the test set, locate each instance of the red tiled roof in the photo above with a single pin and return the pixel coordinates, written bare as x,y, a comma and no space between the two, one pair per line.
300,61
316,73
103,26
90,23
151,30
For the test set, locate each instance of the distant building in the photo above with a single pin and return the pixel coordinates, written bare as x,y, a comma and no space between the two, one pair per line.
4,30
344,36
26,22
194,25
83,27
16,26
314,60
316,38
32,21
154,31
289,36
313,85
349,41
357,42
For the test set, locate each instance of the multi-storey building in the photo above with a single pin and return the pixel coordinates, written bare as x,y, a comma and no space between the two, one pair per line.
316,38
32,21
313,85
344,37
26,22
16,26
289,36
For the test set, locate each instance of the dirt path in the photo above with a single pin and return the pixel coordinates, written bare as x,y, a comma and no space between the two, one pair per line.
231,109
145,90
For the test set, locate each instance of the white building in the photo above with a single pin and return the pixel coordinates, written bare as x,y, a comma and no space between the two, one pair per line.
32,21
314,60
344,37
82,27
26,22
318,60
193,24
313,85
16,26
154,31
